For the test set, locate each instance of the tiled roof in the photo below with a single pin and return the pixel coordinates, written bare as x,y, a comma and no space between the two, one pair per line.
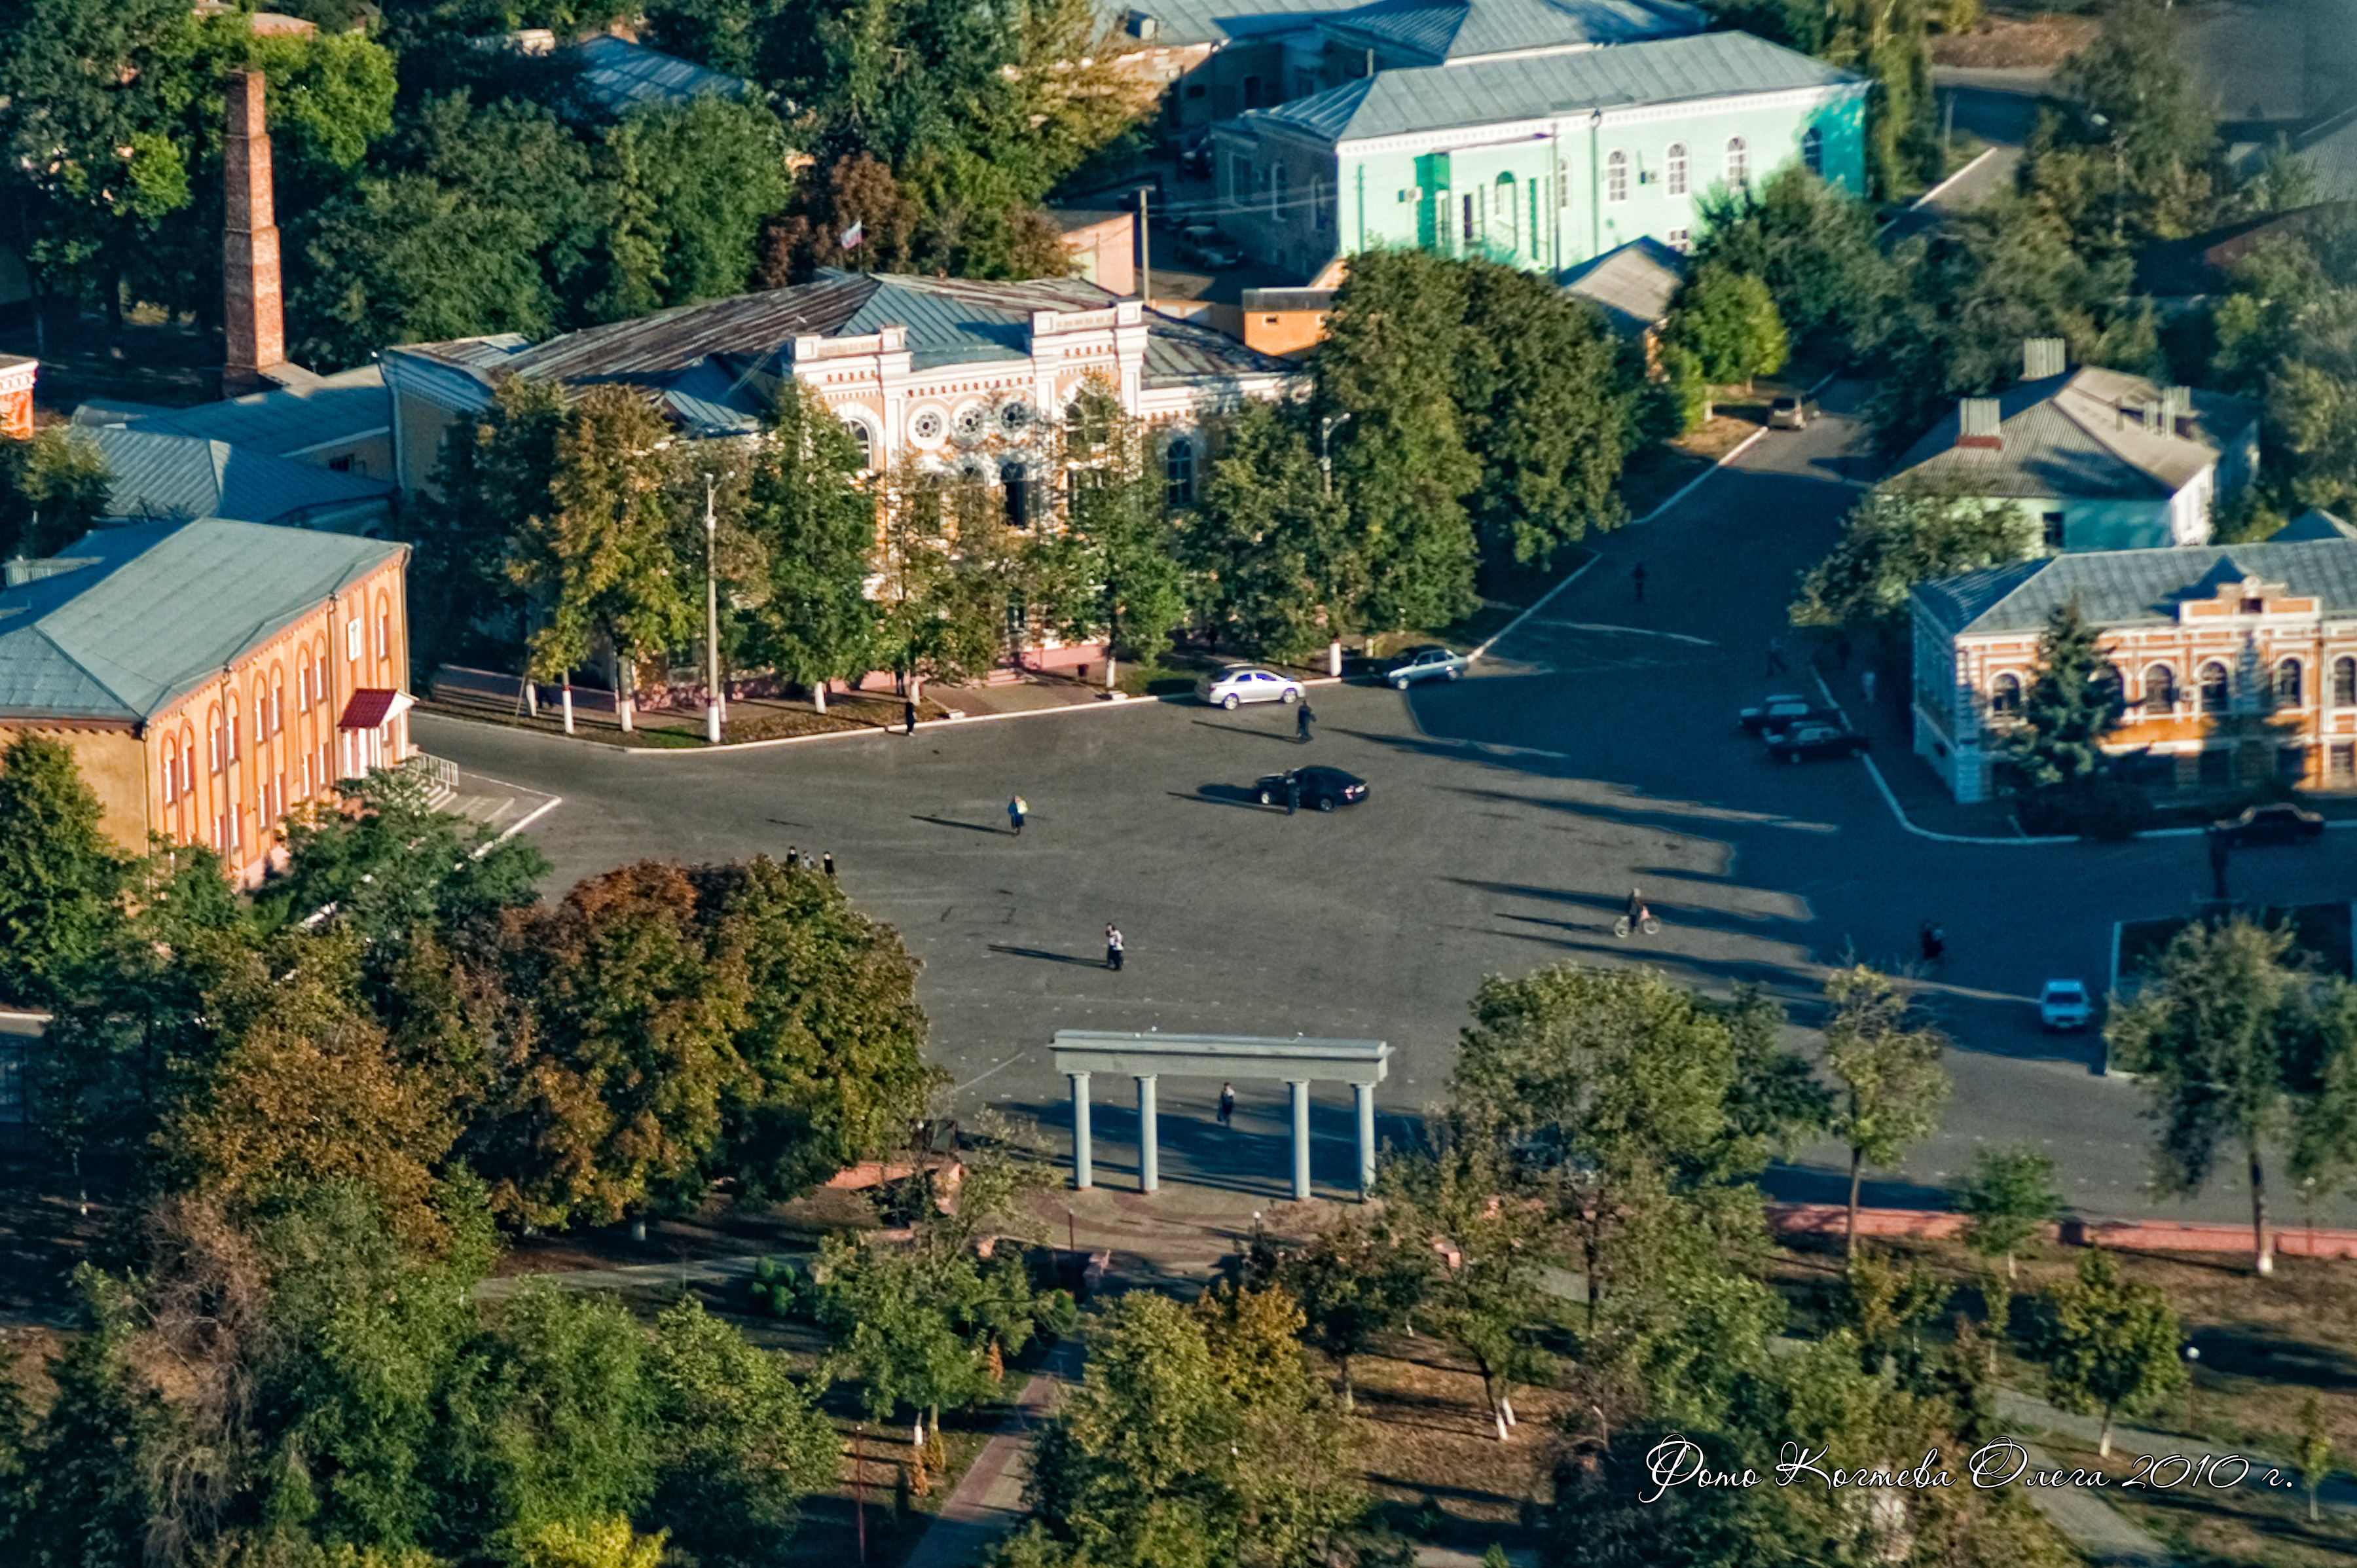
701,359
152,474
2137,588
2071,436
1632,284
621,75
141,615
340,408
1667,70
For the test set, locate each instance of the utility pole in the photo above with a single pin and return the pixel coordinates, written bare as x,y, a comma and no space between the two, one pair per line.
1327,426
1145,248
711,616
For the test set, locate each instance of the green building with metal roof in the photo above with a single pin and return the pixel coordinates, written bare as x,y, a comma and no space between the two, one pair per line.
1543,162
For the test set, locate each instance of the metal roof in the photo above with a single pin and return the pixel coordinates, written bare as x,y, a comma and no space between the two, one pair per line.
1632,284
2136,588
2079,436
701,360
621,75
1665,70
2330,153
341,408
1436,29
2311,525
139,615
152,474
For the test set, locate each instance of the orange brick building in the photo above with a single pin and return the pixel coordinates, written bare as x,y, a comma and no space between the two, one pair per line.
211,676
2235,661
16,396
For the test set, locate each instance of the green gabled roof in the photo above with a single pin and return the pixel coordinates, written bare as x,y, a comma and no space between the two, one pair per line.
127,619
1436,97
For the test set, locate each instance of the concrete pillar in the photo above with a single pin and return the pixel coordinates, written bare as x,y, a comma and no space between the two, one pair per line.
1364,1094
1150,1163
1300,1139
1082,1177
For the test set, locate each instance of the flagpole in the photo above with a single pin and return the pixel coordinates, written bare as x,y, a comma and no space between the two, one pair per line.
1145,247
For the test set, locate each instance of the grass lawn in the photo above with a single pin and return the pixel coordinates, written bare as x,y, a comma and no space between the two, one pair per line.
1430,1454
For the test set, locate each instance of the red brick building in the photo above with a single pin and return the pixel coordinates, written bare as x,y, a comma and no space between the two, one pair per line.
2236,661
16,396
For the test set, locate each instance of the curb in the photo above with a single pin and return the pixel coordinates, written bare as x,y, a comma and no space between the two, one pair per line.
1983,157
864,731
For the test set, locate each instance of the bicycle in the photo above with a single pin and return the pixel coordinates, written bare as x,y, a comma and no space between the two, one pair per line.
1644,922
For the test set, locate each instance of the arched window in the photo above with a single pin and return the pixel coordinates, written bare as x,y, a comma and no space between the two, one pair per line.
171,770
214,732
2288,685
261,712
1812,151
2159,689
1015,480
232,728
187,760
1616,176
384,626
303,684
277,701
2005,694
1739,162
862,438
1674,168
2344,682
2217,688
1179,471
1507,212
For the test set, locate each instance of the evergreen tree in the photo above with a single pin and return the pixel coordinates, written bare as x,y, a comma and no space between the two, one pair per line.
60,875
2113,1347
2072,705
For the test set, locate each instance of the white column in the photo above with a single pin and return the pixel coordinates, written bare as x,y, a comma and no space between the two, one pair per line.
1364,1093
1150,1163
1300,1138
1082,1177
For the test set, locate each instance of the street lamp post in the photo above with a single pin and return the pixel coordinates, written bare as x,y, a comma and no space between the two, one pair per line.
1327,426
711,617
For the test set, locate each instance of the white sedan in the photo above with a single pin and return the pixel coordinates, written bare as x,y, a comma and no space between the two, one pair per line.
2064,1004
1241,683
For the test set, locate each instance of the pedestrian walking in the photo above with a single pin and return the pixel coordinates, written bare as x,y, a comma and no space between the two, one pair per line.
1292,793
908,716
1114,947
827,860
1775,657
1934,942
1227,1105
1301,722
793,858
1016,809
1866,681
1638,577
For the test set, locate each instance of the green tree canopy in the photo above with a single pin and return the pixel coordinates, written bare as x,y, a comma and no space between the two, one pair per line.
1727,321
1898,536
60,873
52,489
2134,158
1275,564
1814,245
2010,1197
2113,1346
1886,1061
806,507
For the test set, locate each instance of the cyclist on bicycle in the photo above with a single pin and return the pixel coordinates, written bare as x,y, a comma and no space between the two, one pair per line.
1637,911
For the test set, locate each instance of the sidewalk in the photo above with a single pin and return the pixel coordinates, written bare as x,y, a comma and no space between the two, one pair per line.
2030,1413
1888,723
987,1501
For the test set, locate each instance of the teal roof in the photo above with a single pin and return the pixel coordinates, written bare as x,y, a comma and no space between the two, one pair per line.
283,422
152,474
1437,98
125,620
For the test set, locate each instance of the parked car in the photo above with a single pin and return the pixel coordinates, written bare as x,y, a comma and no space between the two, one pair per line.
1324,788
1814,742
2064,1005
1237,685
1781,705
1791,413
1206,246
2282,823
1426,661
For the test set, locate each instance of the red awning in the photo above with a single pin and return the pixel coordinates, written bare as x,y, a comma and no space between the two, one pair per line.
371,706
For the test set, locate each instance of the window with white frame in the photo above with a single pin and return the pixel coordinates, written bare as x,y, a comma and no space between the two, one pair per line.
1179,471
1509,211
1674,168
1681,240
1812,151
1616,176
1739,162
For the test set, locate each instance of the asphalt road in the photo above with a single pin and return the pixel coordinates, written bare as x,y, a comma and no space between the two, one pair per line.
1510,815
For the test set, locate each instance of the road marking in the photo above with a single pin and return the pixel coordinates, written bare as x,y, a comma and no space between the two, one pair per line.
1631,631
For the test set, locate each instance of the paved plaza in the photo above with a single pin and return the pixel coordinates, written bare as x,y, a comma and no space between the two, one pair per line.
1595,749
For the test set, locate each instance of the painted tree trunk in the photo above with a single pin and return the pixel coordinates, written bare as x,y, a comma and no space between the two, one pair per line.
818,695
569,704
2263,1234
1857,1171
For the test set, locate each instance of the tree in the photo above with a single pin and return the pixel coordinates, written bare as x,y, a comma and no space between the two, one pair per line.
1814,245
1727,321
807,509
2053,746
2113,1347
600,549
1549,399
2287,335
603,1543
59,875
1390,361
1888,1064
1352,1283
2010,1197
493,475
856,199
1898,536
2315,1456
1112,570
945,573
53,488
686,187
2134,163
2212,1034
1275,564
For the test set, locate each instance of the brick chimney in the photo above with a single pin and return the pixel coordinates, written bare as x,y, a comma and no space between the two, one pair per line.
255,315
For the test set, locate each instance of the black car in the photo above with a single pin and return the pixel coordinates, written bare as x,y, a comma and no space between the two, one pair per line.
1324,788
1810,742
2282,823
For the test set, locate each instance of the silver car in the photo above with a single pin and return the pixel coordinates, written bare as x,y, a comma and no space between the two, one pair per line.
1427,661
1240,683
